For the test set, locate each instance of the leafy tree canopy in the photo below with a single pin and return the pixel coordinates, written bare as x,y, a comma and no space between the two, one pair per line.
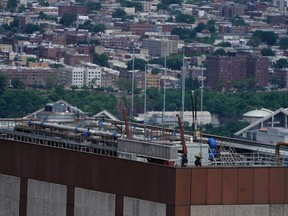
184,18
268,37
281,63
254,42
267,52
68,19
283,43
220,52
168,2
31,28
119,13
91,6
237,21
12,5
224,44
139,64
101,59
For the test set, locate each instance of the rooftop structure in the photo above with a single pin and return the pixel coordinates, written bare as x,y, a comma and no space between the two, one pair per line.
95,166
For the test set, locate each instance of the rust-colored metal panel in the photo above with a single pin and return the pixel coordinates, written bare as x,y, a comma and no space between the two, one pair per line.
286,186
178,210
198,186
119,205
276,185
79,169
11,157
245,185
182,196
261,184
23,206
70,195
95,170
32,158
69,210
214,186
23,196
230,186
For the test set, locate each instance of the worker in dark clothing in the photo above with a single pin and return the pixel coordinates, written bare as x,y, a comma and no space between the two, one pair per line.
184,161
198,160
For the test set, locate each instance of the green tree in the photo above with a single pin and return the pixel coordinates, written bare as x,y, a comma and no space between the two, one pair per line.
168,2
92,6
12,5
31,28
254,42
224,44
16,83
268,37
99,28
139,64
3,83
68,19
211,26
283,43
200,27
161,6
14,23
267,52
101,59
237,21
281,63
119,13
220,52
184,18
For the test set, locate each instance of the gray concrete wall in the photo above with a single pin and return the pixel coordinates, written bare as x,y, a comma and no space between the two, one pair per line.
46,199
240,210
90,203
9,195
138,207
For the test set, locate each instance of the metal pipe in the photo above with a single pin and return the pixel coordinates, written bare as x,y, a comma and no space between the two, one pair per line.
72,128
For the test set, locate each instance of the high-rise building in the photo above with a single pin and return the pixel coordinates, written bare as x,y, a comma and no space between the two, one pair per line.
223,71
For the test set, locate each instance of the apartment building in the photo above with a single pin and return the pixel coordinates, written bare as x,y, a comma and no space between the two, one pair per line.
74,9
160,47
224,71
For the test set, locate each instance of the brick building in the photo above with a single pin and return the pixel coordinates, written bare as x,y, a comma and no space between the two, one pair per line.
32,76
72,9
140,28
223,71
74,59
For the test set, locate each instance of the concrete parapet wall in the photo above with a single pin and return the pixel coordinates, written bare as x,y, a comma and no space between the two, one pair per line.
89,202
240,210
9,195
138,207
44,198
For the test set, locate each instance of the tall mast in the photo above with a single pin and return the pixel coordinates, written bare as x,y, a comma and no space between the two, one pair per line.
183,85
201,109
164,87
145,95
132,91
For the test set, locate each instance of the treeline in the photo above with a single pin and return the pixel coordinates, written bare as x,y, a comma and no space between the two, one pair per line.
228,106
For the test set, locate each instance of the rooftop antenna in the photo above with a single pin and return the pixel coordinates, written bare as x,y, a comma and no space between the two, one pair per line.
132,91
183,84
